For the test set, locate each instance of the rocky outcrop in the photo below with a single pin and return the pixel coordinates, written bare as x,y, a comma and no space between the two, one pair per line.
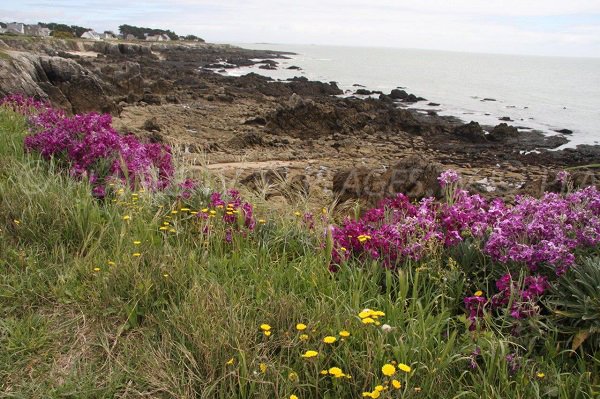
414,176
63,81
503,132
471,132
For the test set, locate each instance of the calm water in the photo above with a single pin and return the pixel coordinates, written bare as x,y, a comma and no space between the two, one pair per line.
544,93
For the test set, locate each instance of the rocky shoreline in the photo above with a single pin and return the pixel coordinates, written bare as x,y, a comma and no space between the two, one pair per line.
251,127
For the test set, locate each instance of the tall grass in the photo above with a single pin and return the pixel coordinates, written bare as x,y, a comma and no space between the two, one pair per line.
83,317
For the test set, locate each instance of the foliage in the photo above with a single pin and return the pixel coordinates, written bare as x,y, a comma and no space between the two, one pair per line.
140,32
191,293
575,300
193,38
61,30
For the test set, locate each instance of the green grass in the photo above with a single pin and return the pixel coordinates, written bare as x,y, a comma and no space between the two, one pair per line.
165,324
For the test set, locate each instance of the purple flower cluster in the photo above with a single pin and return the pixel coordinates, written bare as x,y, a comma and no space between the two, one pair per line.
89,147
448,177
235,212
23,104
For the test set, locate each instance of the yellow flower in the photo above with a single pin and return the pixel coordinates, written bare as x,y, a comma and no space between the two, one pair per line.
379,388
478,293
297,213
417,389
204,210
174,212
377,313
540,375
368,320
193,213
343,249
230,362
137,254
309,354
137,242
388,370
367,395
336,371
96,269
396,384
304,337
329,339
265,327
172,231
375,394
324,210
324,372
263,368
300,327
292,396
404,367
293,376
262,221
213,212
111,263
344,334
163,228
126,217
267,333
363,237
165,275
17,221
185,209
229,213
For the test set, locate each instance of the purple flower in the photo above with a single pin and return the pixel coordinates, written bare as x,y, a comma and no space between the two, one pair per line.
448,177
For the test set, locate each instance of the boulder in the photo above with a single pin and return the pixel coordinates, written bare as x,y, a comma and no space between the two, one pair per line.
363,92
471,131
564,131
414,176
398,94
503,132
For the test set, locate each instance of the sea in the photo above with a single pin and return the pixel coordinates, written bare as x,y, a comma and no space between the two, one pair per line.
536,93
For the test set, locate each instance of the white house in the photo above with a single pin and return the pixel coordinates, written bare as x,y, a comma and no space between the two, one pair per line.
92,35
15,27
37,30
158,38
108,36
129,36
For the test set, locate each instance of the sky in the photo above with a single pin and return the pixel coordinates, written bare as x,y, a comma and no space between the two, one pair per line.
535,27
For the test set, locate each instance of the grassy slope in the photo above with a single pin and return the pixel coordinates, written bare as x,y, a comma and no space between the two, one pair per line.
165,324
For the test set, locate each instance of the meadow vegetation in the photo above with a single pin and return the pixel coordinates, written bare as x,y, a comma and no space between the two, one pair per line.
121,278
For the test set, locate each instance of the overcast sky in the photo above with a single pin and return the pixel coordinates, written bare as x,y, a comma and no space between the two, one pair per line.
540,27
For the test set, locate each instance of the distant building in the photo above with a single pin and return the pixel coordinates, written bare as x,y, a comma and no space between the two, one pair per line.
129,36
17,28
108,36
158,38
36,30
91,35
2,30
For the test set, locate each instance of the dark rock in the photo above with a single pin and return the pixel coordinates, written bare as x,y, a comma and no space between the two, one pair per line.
411,98
564,131
414,176
294,67
259,120
245,140
489,99
502,132
268,67
506,119
364,92
398,94
151,124
433,104
471,131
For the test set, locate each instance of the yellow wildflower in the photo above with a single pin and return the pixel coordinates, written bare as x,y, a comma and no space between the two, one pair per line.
300,326
336,372
137,254
265,327
263,368
304,337
262,221
163,228
297,213
324,372
292,396
293,376
137,242
230,362
17,221
309,354
368,320
478,293
404,367
540,375
363,237
126,217
344,334
396,384
111,263
379,388
165,275
96,269
213,212
267,333
377,313
185,209
172,231
205,210
375,394
388,370
174,212
329,339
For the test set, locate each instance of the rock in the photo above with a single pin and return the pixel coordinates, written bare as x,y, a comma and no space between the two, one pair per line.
549,183
398,94
411,99
414,176
564,131
259,121
363,92
294,67
489,99
268,66
505,118
245,140
502,132
433,104
471,131
151,124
